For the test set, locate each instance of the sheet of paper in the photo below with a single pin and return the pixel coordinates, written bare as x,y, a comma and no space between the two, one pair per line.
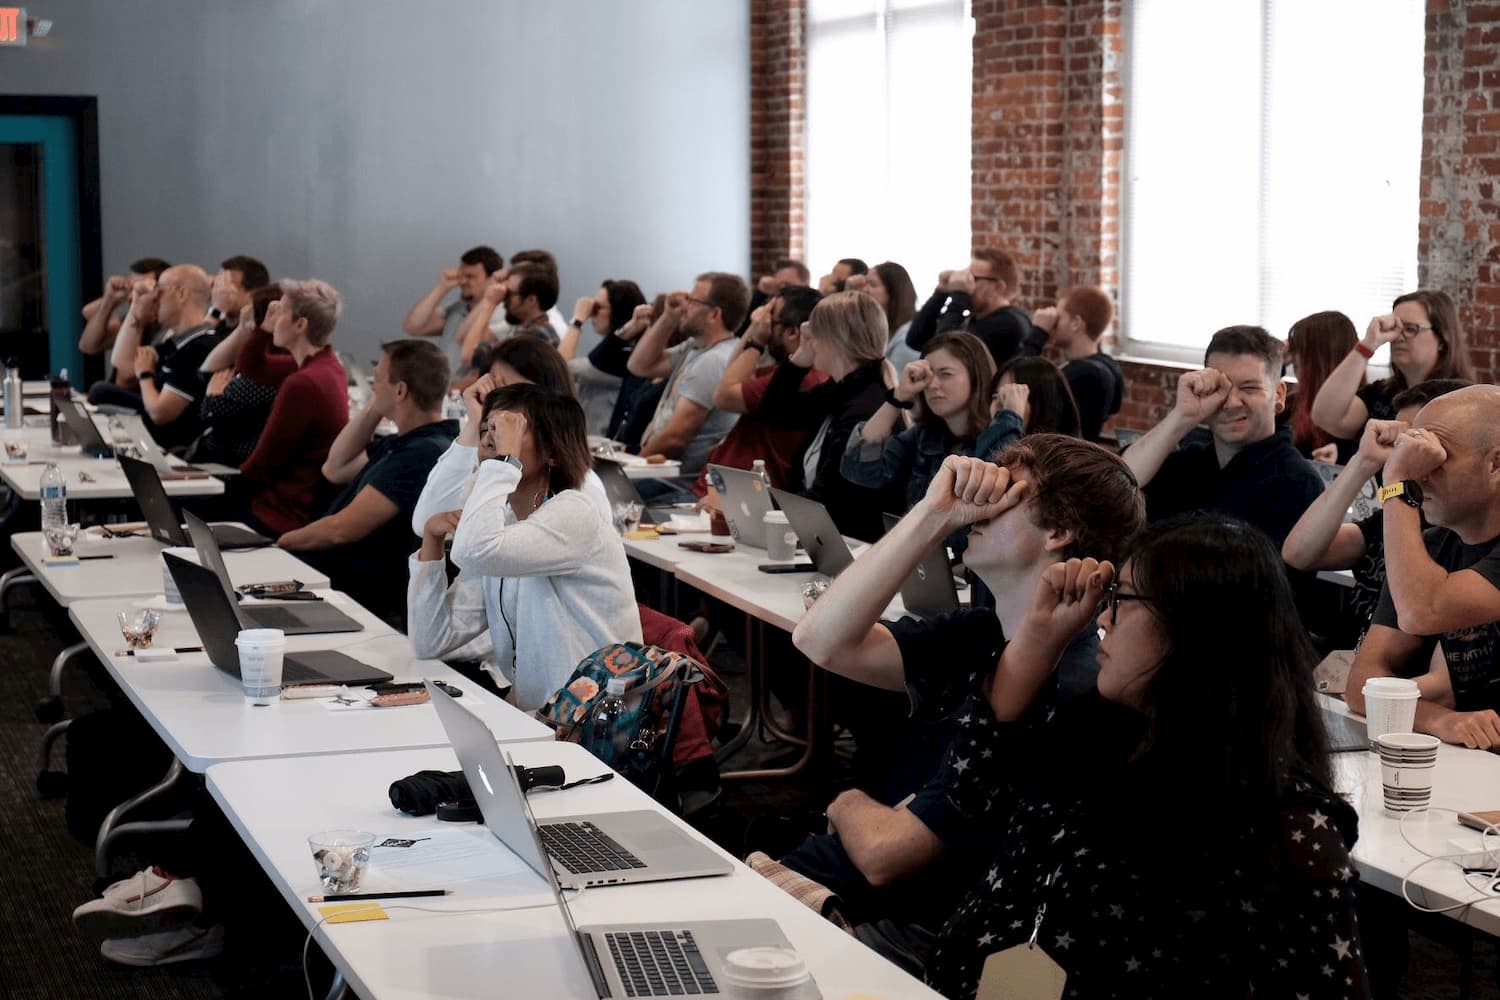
445,859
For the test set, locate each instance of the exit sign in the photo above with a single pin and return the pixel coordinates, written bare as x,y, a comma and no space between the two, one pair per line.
12,25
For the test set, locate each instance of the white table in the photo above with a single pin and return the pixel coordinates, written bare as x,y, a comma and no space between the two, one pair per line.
201,714
275,804
106,480
1464,780
135,566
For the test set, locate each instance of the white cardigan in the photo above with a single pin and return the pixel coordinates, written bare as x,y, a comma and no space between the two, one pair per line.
555,586
448,487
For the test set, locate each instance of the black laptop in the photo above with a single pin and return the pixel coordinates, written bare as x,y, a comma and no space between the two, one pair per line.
619,489
218,621
90,441
161,514
302,618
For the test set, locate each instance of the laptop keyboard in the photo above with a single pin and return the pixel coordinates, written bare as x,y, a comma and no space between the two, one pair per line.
582,848
659,963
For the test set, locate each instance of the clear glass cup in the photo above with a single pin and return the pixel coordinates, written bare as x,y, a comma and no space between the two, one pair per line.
341,857
138,627
60,539
627,516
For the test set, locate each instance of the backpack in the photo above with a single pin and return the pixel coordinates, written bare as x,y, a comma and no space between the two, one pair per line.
659,683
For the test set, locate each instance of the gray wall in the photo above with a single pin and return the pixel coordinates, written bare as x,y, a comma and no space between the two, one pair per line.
351,141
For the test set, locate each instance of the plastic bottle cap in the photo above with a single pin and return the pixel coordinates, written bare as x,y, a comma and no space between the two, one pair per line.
617,685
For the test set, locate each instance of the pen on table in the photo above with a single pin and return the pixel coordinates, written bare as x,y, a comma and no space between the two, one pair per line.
179,649
339,897
82,558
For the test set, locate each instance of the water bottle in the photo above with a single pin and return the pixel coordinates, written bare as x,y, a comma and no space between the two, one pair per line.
759,468
12,398
604,733
61,390
54,499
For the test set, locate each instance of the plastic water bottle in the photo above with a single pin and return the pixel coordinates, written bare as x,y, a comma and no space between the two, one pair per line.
603,728
759,468
13,394
54,499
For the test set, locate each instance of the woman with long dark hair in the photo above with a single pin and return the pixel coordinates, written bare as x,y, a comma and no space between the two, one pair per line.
891,287
1316,345
1179,834
555,582
1028,396
1427,342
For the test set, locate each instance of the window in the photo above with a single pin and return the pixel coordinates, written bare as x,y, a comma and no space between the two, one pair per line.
1272,157
888,122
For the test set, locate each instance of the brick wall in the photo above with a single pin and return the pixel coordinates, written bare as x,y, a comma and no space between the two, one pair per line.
1458,235
778,64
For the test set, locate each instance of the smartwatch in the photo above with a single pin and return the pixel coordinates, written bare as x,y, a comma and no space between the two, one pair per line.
577,324
1409,490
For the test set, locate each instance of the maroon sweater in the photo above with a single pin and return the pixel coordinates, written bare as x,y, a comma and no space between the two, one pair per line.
286,467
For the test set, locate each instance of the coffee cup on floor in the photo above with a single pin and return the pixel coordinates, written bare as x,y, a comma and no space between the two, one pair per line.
1407,761
781,540
1390,706
766,974
261,651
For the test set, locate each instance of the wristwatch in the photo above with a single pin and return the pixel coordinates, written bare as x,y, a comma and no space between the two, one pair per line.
897,402
1409,490
577,324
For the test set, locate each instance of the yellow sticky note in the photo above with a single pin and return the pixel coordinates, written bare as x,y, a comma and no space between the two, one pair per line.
353,913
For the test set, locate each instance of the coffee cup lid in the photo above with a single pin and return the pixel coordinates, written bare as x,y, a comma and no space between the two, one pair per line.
1391,687
260,636
764,968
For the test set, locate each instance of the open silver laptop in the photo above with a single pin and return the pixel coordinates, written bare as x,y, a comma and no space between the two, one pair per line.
816,532
610,849
133,428
929,591
745,499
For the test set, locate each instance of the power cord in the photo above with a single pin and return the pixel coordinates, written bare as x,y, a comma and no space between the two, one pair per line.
1492,874
307,944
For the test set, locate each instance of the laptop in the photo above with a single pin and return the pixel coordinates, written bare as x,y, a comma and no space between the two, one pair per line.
139,443
302,618
1345,733
930,590
619,489
664,959
161,515
610,849
745,499
816,532
85,431
218,622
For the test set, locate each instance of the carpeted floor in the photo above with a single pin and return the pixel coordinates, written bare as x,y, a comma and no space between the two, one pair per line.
47,872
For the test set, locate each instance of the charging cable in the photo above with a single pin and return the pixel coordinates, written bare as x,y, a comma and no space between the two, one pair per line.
1489,878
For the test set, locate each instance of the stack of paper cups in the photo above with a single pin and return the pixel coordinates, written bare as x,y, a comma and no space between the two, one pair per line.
261,651
1406,764
1390,706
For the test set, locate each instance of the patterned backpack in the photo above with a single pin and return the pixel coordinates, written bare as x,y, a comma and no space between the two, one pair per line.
657,685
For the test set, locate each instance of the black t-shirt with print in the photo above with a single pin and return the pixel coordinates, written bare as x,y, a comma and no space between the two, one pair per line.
1472,654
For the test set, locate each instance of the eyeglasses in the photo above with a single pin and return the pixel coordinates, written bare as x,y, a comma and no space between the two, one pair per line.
1410,330
984,277
698,302
1113,598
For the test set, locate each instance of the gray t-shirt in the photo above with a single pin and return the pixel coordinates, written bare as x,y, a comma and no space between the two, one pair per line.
695,376
454,313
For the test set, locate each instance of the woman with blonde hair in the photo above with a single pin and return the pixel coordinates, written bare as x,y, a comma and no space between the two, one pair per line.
846,338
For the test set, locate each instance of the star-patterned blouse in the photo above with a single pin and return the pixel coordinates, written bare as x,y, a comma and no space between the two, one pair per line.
1145,899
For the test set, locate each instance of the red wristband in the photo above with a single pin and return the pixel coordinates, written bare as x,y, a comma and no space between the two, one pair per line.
1362,349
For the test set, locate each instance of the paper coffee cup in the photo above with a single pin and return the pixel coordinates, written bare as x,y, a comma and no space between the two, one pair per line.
766,974
1390,706
261,651
1407,763
781,540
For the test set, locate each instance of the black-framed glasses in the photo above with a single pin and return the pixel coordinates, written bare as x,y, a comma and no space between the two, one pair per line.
1113,599
1410,330
698,302
984,277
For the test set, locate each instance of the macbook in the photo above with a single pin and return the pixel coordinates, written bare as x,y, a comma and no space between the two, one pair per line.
1345,734
161,515
745,499
619,489
607,849
816,532
663,959
143,445
929,592
90,441
303,618
218,622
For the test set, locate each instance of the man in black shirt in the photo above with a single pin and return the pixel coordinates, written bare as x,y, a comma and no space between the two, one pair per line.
1045,499
171,385
1442,584
1074,326
1249,470
977,299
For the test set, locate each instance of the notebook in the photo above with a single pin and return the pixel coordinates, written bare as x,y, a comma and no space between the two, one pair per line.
161,514
609,849
816,532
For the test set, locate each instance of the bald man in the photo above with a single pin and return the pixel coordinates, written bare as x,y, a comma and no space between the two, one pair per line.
170,384
1444,584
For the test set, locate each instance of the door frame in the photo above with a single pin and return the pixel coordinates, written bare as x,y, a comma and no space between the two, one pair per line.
84,114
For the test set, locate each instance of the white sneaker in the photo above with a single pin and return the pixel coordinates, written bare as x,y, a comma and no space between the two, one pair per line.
146,901
185,944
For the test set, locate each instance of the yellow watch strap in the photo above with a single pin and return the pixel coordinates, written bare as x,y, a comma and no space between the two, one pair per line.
1390,491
